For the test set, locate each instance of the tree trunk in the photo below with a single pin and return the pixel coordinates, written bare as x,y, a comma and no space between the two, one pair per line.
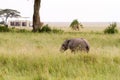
36,16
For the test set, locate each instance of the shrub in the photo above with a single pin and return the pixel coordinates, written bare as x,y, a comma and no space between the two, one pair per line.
45,28
75,25
57,31
22,31
4,29
111,29
13,29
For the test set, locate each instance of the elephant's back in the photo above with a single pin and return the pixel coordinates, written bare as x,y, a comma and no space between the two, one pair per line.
75,42
78,42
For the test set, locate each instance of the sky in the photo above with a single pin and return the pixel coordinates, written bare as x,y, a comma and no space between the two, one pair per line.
68,10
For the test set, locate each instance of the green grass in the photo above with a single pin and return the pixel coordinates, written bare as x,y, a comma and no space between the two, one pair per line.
36,56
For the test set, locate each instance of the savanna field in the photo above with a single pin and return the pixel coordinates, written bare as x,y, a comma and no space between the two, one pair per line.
36,56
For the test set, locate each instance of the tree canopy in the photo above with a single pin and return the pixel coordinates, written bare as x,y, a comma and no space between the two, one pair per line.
8,13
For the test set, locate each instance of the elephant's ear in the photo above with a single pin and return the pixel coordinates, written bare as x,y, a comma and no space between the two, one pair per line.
67,41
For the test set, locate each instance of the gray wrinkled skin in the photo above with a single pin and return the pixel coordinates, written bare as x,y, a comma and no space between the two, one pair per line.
76,44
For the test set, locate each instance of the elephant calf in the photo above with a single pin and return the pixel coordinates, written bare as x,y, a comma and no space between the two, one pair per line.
76,44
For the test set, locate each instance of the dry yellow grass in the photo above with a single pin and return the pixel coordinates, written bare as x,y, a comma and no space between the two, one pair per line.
36,56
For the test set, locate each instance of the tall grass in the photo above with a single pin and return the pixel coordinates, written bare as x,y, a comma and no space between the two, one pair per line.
36,56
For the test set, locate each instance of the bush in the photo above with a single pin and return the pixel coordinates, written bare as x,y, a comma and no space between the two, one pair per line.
75,25
57,31
111,29
45,28
4,29
22,31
